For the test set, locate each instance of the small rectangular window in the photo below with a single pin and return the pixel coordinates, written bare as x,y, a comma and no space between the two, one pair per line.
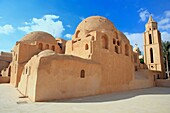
82,74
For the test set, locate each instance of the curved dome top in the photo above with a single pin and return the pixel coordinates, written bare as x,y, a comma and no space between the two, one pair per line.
123,37
38,36
135,49
96,23
46,53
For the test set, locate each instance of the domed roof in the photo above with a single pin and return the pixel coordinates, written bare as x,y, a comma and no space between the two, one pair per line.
123,37
46,53
96,23
136,48
38,36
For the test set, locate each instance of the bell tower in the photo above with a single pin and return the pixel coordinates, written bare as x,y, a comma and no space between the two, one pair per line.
153,56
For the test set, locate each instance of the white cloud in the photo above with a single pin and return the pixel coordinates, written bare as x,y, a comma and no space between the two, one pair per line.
167,13
48,23
135,38
164,22
144,14
81,18
165,27
165,36
68,36
6,29
69,26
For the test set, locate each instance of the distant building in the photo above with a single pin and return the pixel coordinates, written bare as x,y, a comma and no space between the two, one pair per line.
5,59
99,59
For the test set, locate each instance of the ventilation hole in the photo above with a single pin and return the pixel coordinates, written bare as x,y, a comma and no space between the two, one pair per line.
23,97
88,35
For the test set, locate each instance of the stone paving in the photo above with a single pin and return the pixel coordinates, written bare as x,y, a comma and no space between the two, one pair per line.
150,100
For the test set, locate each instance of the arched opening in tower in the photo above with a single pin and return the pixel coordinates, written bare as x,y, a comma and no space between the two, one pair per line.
150,39
151,55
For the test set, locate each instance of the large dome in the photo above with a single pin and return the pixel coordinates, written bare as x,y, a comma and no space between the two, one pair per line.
123,37
38,36
96,23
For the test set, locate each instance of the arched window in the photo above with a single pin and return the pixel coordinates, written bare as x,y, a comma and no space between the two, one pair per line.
126,50
46,46
53,48
150,39
114,41
151,55
9,71
118,43
86,47
104,42
77,34
82,74
40,46
116,35
116,49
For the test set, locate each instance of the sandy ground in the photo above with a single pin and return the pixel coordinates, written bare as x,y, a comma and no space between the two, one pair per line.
150,100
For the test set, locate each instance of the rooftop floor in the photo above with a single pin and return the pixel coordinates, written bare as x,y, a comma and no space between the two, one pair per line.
150,100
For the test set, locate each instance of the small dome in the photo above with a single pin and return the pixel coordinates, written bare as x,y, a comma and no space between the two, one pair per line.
46,53
141,56
38,36
136,49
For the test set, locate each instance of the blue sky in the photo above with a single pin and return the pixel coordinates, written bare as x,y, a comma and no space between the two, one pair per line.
61,17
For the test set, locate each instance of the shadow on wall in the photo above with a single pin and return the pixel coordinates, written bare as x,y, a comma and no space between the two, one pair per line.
117,96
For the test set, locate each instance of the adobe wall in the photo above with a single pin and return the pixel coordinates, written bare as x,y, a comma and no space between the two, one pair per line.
22,53
143,78
117,68
80,47
59,77
163,82
16,64
63,45
27,84
4,79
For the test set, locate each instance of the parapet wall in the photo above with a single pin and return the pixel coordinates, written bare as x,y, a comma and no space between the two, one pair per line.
163,82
